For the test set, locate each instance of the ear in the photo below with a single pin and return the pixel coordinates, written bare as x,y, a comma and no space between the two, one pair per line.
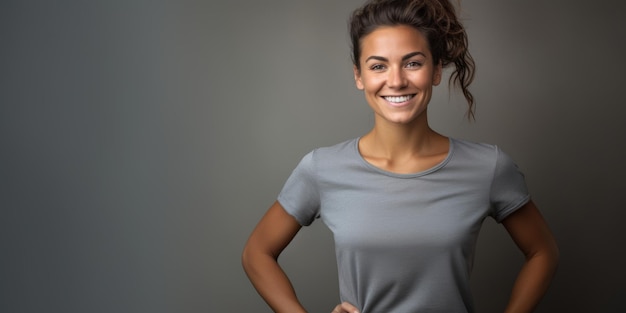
437,74
357,78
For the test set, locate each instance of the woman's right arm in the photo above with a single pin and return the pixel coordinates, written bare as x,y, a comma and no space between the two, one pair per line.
271,235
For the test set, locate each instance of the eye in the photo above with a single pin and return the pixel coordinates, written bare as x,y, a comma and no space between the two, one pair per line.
377,67
413,64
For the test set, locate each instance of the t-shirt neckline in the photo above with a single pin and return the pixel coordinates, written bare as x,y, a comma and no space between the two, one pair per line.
451,143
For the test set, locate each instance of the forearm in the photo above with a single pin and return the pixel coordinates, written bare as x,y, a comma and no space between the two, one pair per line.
271,283
532,282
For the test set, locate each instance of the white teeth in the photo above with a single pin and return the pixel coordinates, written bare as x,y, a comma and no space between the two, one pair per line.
398,99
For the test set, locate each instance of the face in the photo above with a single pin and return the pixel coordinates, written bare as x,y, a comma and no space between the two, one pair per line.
397,73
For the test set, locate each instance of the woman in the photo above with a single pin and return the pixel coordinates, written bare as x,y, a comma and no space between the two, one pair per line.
404,203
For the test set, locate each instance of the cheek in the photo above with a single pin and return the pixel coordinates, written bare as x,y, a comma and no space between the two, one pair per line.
372,82
424,80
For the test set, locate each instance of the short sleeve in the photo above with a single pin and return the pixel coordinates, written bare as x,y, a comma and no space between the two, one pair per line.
300,194
508,190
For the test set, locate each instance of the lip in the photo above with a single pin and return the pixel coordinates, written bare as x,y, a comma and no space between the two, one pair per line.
398,104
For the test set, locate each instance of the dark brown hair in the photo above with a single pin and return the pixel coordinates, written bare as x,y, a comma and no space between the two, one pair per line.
435,19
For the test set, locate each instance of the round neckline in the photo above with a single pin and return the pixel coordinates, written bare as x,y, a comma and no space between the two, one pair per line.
451,144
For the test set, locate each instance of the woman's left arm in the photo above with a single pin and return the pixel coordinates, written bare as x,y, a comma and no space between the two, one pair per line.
533,237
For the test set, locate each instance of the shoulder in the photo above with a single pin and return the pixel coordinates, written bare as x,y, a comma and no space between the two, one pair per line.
487,156
474,150
342,150
345,149
330,159
342,147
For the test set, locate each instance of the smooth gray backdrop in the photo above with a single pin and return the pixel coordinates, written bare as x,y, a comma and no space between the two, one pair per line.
142,140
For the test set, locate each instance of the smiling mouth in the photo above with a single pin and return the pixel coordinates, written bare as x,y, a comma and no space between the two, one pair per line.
398,99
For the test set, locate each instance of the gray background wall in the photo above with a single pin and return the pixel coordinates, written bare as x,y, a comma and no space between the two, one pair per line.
142,140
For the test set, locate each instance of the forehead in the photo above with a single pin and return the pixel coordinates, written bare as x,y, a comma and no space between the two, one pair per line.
394,40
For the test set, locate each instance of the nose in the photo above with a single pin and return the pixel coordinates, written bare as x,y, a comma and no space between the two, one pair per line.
397,78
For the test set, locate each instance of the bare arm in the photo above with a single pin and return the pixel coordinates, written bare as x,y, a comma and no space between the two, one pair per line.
271,235
531,234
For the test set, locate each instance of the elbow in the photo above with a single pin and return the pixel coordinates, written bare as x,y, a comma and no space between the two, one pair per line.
552,260
553,253
549,256
246,259
252,258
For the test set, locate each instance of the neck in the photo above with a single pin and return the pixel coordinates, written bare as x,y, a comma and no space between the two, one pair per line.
397,140
403,148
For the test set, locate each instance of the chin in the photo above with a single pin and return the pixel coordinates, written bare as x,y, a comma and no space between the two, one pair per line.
404,118
401,120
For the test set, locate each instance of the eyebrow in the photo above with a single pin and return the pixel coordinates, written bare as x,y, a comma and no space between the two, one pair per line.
404,58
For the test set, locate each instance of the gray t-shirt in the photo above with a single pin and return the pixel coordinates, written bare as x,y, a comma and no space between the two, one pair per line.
405,242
